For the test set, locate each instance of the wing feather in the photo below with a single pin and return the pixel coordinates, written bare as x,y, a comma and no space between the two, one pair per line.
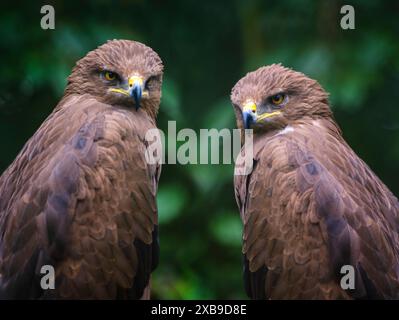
81,197
309,207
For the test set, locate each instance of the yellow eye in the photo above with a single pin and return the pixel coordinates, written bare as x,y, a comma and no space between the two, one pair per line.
277,99
109,76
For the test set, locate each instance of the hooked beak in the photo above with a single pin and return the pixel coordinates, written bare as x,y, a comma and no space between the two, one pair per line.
136,89
249,114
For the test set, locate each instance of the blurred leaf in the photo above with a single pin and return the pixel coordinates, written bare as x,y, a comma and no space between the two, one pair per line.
220,115
171,199
206,179
170,104
227,228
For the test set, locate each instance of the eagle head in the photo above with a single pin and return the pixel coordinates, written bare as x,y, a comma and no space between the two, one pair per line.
120,73
273,97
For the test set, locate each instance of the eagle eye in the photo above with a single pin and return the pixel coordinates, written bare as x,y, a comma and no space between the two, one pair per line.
149,82
109,75
277,99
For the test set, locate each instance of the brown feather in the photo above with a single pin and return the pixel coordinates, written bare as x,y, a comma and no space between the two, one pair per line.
80,195
311,205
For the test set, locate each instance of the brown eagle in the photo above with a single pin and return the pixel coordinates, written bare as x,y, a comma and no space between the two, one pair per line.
310,206
80,196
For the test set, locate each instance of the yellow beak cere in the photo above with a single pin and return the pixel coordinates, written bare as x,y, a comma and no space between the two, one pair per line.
135,79
249,106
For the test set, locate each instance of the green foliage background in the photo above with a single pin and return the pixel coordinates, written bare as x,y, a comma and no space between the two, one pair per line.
206,47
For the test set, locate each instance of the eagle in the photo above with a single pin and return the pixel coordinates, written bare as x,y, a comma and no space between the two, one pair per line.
80,197
312,210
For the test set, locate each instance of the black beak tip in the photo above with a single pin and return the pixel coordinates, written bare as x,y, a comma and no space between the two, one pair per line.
136,95
247,119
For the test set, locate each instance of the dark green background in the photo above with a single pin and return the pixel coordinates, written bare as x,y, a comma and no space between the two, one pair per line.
206,47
